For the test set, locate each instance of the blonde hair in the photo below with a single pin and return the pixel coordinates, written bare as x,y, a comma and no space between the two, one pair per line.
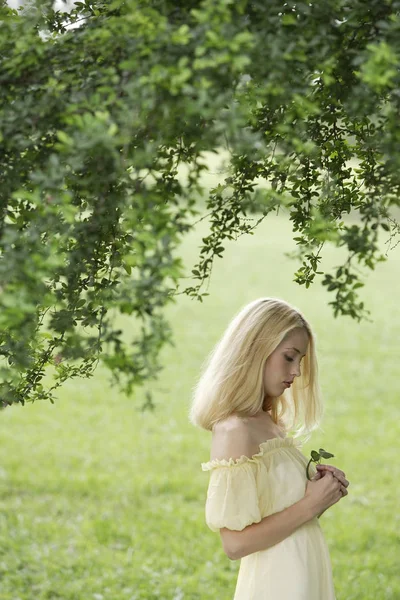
231,381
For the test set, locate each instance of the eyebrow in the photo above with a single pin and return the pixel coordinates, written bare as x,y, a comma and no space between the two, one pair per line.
293,348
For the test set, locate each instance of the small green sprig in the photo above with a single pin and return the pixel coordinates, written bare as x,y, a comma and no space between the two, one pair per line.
316,457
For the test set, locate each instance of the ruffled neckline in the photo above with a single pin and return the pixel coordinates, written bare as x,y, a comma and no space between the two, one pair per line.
263,448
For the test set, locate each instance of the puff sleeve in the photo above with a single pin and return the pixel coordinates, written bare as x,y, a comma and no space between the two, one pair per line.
232,496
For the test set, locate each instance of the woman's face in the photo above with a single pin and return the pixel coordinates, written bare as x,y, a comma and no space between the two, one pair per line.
283,365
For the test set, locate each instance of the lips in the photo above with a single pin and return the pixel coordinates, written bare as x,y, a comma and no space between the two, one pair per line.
288,383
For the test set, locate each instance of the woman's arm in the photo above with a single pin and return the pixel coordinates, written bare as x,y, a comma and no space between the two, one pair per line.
268,532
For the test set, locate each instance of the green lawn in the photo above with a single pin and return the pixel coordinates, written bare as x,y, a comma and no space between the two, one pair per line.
102,501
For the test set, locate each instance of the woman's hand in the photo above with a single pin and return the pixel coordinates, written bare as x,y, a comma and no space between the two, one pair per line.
322,469
322,491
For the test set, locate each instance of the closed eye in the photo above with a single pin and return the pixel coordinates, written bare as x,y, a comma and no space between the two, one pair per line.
288,358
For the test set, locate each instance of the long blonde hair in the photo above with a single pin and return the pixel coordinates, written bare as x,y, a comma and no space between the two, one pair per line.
231,381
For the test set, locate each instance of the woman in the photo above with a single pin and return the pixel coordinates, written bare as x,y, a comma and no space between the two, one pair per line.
259,384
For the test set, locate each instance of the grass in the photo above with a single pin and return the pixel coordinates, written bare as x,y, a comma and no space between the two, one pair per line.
99,500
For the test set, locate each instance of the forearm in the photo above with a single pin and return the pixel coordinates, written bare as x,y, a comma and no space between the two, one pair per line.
269,531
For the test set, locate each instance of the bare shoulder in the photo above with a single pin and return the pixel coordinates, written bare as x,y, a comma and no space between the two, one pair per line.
232,438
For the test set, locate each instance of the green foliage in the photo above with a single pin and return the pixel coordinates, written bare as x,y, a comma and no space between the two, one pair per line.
316,457
100,501
101,106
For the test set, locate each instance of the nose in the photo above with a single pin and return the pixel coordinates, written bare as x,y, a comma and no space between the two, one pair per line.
296,370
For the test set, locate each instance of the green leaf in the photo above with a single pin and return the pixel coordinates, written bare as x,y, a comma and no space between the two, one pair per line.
289,20
65,138
314,455
325,454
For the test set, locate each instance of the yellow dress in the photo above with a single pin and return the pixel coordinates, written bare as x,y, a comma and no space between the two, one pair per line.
245,490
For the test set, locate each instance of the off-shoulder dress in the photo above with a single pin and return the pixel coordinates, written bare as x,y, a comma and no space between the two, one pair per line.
243,491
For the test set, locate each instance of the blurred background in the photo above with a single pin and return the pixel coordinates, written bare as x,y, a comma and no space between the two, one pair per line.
102,500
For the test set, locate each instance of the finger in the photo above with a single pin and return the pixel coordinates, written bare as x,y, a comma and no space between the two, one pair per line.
342,480
331,468
335,471
343,490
